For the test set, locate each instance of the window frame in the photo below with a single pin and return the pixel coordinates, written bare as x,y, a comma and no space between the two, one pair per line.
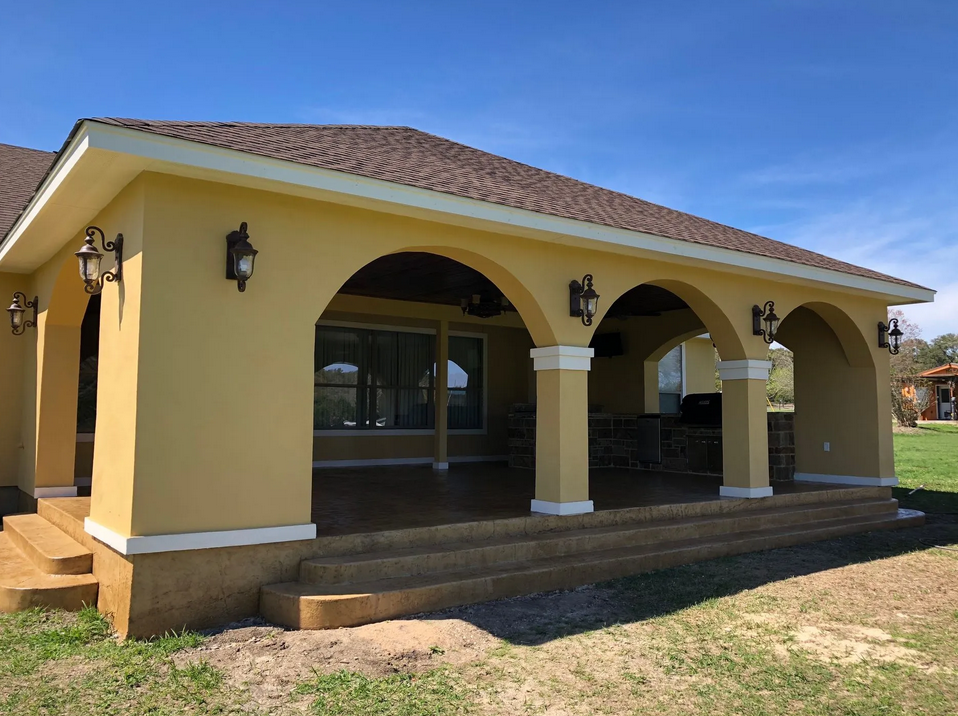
683,386
410,432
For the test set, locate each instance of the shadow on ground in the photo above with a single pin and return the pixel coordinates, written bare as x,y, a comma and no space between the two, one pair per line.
928,501
538,619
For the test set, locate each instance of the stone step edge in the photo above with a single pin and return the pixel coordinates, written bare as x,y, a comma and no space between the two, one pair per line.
627,527
281,600
78,560
546,563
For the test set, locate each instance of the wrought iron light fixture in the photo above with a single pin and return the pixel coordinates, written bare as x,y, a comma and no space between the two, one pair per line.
90,259
583,300
480,307
765,316
17,310
890,336
240,256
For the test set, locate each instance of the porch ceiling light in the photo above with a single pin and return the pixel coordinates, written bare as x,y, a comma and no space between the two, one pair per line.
890,336
90,258
767,317
583,300
478,307
240,256
17,311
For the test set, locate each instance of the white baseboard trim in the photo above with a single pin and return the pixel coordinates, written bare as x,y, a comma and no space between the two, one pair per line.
744,492
562,508
847,480
152,544
440,466
386,461
41,492
83,481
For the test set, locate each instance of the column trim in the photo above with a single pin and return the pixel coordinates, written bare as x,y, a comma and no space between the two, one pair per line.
151,544
744,369
847,480
744,492
562,508
562,358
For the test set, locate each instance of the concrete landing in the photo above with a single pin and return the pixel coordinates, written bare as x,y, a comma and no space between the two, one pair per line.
443,571
40,566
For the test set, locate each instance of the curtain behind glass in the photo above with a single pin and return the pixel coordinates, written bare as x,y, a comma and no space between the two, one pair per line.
338,397
465,408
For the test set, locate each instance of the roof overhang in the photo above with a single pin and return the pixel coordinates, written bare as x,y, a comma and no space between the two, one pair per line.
98,160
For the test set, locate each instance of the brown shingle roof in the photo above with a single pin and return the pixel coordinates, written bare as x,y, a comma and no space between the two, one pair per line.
21,170
408,156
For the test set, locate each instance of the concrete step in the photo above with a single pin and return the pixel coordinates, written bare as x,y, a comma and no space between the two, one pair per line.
23,586
309,606
350,569
49,549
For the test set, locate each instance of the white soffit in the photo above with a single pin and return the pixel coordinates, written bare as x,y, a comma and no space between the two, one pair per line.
146,151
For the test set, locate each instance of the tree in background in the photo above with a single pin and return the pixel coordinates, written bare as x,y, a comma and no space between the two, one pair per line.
910,395
780,387
940,350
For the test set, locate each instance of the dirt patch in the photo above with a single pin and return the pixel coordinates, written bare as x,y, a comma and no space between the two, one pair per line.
850,645
269,661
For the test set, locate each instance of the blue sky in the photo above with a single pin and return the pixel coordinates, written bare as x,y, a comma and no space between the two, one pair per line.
831,125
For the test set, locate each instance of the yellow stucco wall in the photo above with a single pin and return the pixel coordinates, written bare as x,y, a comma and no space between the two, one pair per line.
205,397
12,351
699,366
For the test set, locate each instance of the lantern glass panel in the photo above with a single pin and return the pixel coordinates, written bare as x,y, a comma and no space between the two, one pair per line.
16,316
90,266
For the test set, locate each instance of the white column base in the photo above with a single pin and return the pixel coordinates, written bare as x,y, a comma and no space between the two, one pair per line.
440,466
150,544
744,492
847,480
562,508
40,492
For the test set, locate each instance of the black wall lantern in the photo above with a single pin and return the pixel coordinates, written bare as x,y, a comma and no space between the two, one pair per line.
890,336
583,300
17,310
240,256
90,259
767,317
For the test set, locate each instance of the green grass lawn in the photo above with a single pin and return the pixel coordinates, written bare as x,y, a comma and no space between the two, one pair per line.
860,626
928,455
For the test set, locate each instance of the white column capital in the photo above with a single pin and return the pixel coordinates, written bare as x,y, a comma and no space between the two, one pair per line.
744,369
562,358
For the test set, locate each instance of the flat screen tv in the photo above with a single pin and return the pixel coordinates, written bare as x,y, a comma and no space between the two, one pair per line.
607,345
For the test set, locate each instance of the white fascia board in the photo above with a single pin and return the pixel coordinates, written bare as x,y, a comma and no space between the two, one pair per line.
168,150
77,148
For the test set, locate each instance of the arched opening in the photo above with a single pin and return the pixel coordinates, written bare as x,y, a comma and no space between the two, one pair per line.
656,403
840,428
86,396
419,362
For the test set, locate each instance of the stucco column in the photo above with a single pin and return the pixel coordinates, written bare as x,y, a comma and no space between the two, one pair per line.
440,460
562,430
48,472
744,428
13,350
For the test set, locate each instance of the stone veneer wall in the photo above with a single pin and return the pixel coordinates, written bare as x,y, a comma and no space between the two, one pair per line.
613,442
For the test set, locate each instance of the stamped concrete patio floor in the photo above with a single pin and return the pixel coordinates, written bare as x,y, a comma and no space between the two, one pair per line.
375,499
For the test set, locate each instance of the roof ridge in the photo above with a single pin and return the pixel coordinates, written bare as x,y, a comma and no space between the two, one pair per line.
29,149
233,123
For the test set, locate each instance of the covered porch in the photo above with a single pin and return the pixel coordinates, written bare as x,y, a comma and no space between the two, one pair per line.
358,500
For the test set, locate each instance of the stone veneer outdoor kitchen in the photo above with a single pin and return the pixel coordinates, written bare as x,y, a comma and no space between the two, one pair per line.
629,441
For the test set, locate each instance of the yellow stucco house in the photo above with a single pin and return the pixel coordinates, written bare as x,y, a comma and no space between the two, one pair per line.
334,374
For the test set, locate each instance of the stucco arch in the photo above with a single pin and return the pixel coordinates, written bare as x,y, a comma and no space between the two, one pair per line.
713,318
854,343
518,294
